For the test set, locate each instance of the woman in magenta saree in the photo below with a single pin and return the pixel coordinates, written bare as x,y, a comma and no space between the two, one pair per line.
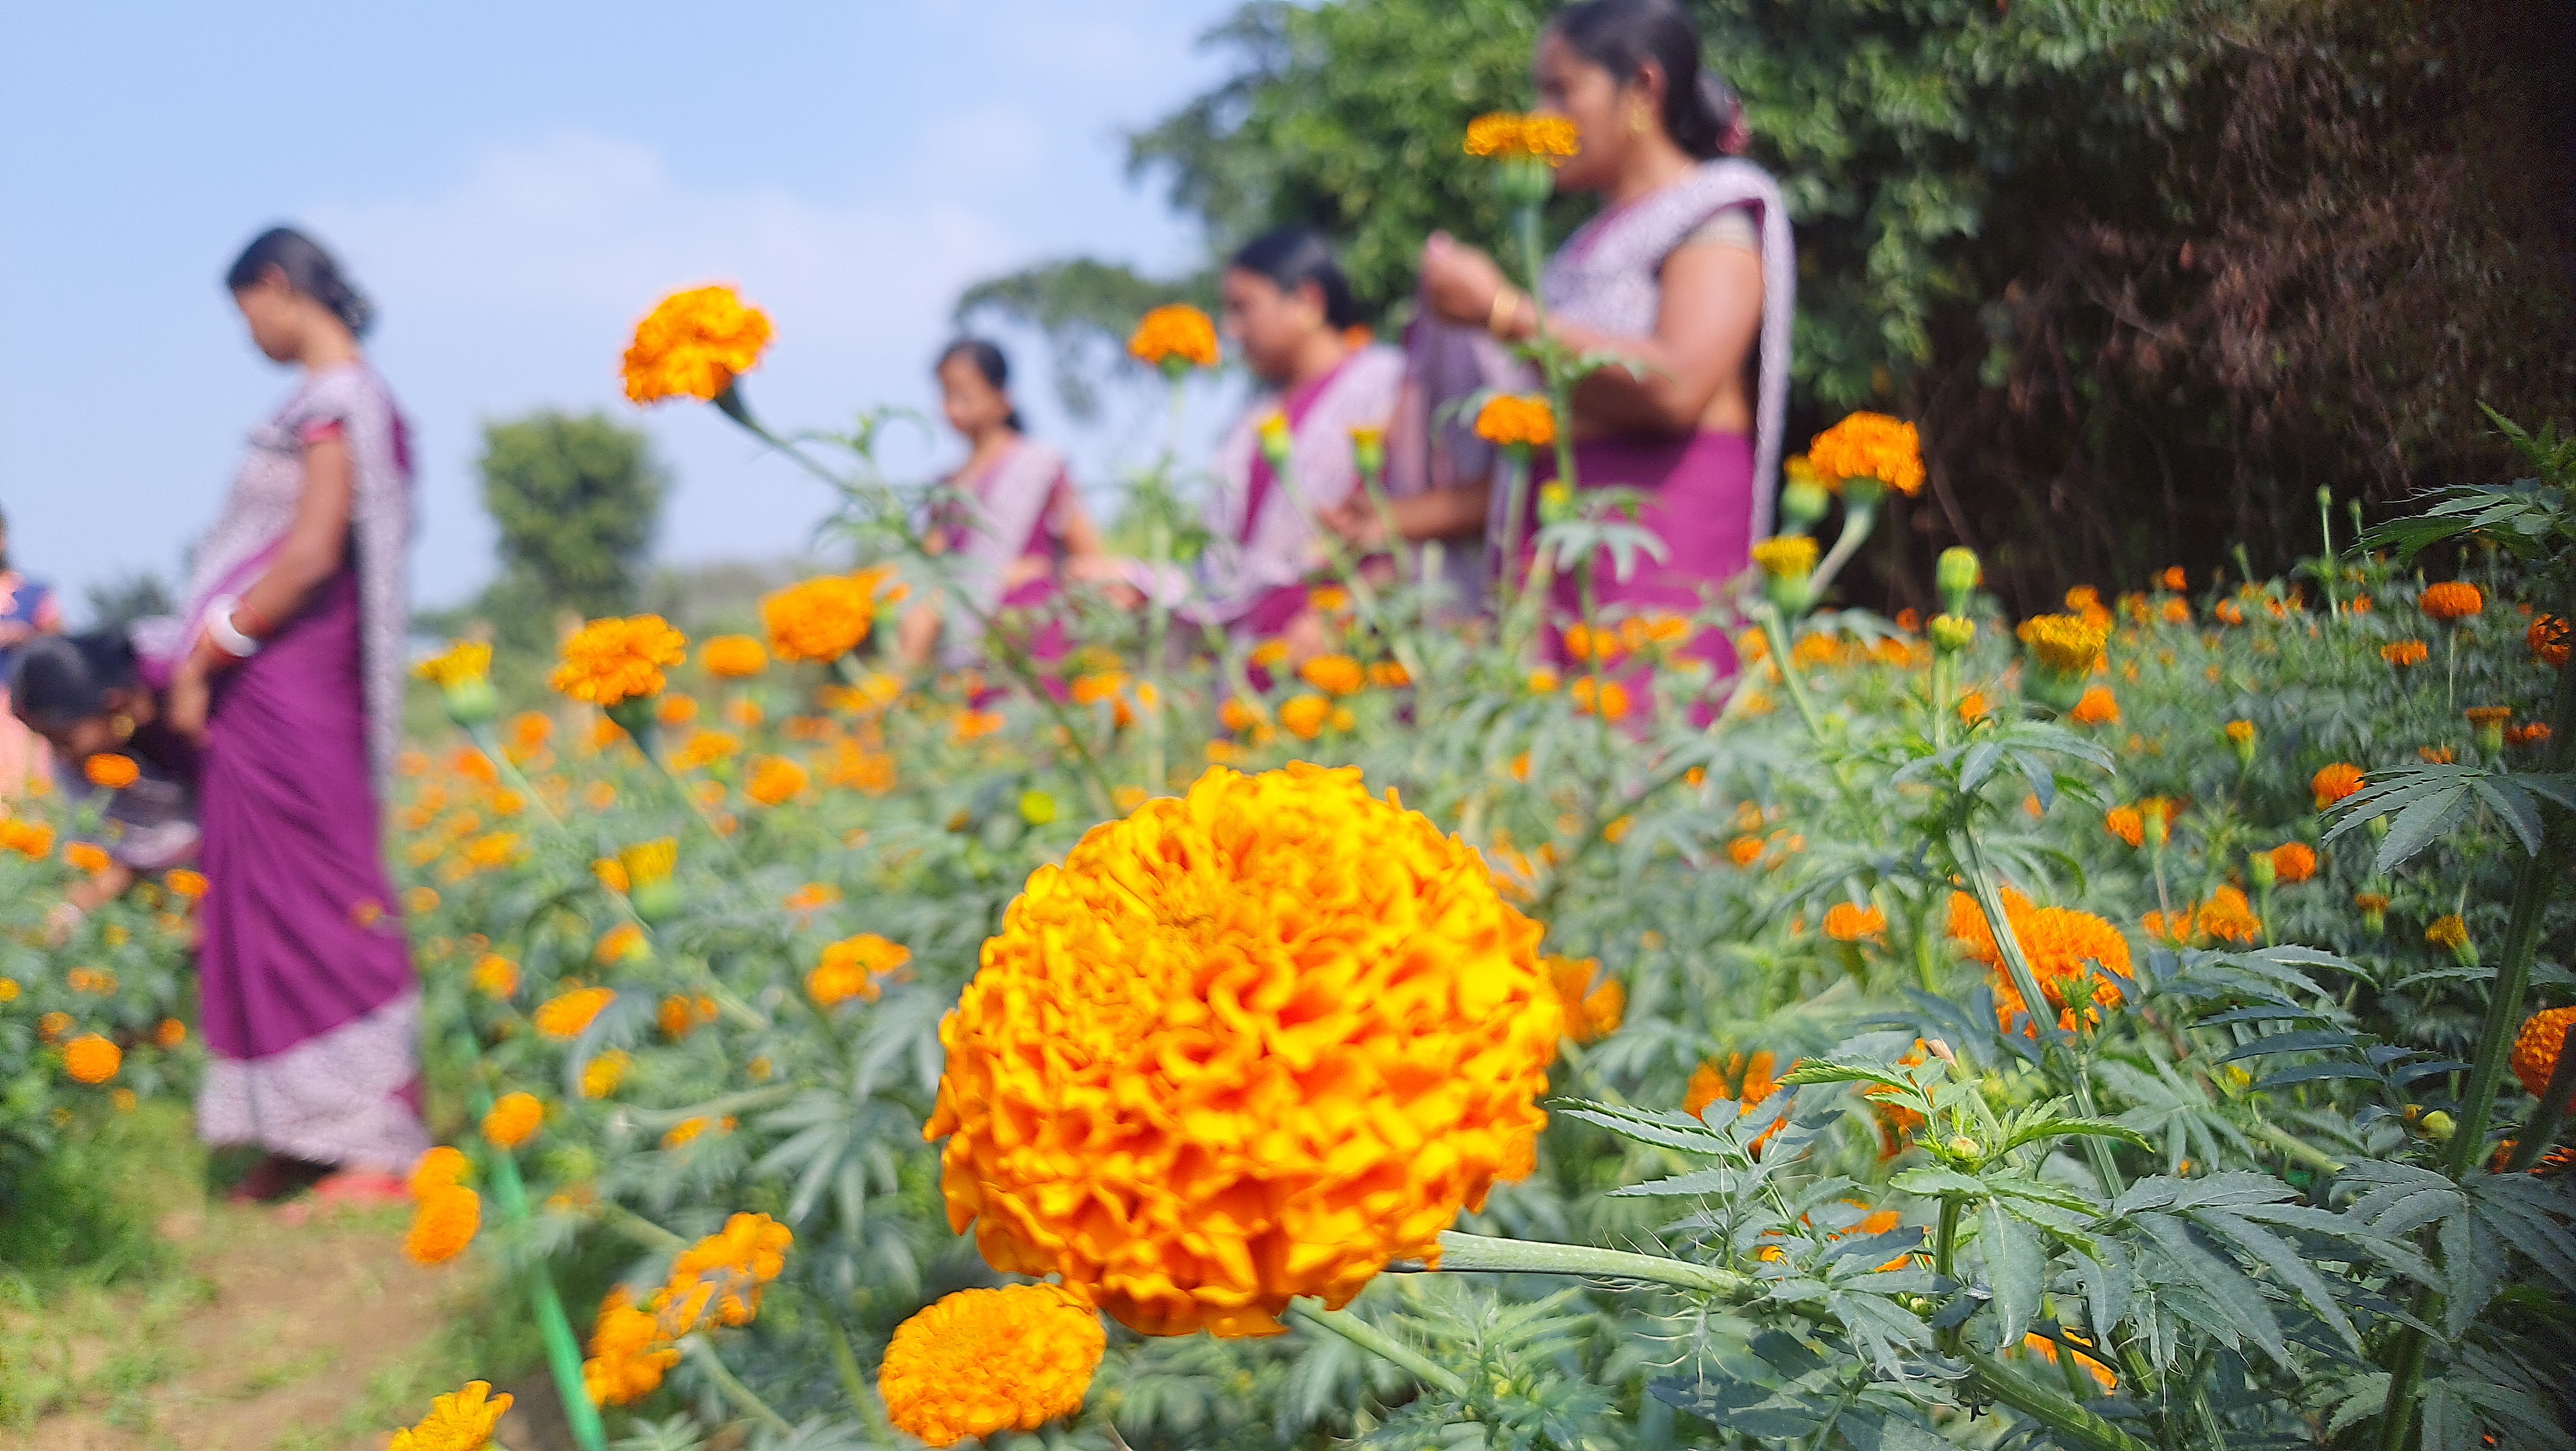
1689,271
288,668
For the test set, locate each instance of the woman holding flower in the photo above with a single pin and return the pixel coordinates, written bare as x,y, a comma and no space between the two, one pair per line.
1687,272
1290,458
288,671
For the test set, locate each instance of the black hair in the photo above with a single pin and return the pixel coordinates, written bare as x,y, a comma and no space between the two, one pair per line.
1293,256
308,269
988,360
1701,112
63,679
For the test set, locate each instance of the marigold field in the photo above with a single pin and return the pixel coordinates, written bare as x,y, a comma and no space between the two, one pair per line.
2133,1027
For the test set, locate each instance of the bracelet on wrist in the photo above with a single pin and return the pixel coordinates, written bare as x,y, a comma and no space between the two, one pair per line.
221,631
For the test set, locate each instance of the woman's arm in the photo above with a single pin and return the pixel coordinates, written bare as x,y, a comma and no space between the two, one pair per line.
316,545
1437,514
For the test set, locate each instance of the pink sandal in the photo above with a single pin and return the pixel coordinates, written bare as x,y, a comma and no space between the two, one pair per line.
362,1188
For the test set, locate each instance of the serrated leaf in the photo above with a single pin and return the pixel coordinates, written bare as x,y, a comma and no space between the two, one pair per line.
2015,1268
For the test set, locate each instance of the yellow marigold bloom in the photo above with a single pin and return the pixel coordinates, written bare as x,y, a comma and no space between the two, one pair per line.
463,662
776,780
1609,698
1786,556
628,1352
1304,716
621,943
981,1361
1869,446
601,1075
2064,643
1511,420
729,1268
111,771
1174,333
733,657
1099,685
2229,917
851,968
1523,136
81,856
1310,1026
2536,1047
822,619
459,1421
676,711
2241,732
171,1033
441,1167
609,662
2447,930
684,1133
443,1223
693,345
2293,862
1850,922
2127,823
2333,783
1590,1012
1333,674
570,1014
496,976
704,748
1331,599
90,1058
514,1119
185,883
2452,600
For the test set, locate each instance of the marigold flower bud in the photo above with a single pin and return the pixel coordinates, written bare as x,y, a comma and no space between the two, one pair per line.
1952,633
1957,575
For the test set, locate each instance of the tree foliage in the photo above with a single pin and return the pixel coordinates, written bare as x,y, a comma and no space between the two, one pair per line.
576,500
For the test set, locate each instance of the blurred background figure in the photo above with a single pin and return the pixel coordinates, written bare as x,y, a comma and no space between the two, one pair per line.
28,608
84,695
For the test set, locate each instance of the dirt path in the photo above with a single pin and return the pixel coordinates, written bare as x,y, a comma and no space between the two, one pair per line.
268,1334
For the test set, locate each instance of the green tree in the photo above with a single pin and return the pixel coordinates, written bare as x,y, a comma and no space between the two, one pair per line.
576,500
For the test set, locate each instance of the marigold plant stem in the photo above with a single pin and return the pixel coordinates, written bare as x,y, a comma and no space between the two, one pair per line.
1857,523
1380,1344
2074,1425
734,1390
563,1350
1463,1253
1776,631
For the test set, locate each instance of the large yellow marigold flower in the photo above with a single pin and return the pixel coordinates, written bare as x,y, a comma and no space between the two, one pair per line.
459,1421
1510,420
1244,1045
822,619
1173,334
2536,1047
90,1058
981,1361
693,345
1869,446
1512,136
610,662
2064,643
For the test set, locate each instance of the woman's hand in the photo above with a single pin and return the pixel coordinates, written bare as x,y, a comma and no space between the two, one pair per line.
1106,574
1458,281
1358,521
189,702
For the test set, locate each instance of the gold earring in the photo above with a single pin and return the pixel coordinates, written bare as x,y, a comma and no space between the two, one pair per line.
1638,121
122,725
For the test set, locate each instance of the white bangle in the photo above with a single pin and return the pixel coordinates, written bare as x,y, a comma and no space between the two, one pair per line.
219,623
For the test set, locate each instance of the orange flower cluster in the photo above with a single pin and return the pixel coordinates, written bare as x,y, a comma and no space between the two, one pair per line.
851,967
461,1420
514,1119
679,1016
1744,1080
1869,446
1519,136
1510,420
1847,922
2293,862
2098,706
2452,601
2405,654
569,1014
733,657
445,1214
981,1361
33,840
2066,644
2334,783
1304,1019
1175,333
2536,1047
2226,917
1608,697
110,771
609,662
2046,1349
823,619
2547,637
2065,948
1590,1012
693,345
1333,674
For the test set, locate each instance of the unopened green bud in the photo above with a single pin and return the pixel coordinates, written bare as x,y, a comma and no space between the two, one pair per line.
2259,867
1963,1147
1555,503
1957,575
1037,808
471,702
1803,502
656,902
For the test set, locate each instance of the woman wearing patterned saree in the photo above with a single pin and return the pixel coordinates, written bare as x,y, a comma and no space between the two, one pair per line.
1688,270
288,670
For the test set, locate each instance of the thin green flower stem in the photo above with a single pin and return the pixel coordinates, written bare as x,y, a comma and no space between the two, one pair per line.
845,1364
1941,712
2535,880
696,807
735,1391
2540,1131
2325,532
1382,1345
1158,623
1363,594
1507,580
740,1102
2073,1424
1856,526
2295,1147
1466,1253
636,1227
563,1351
480,733
1776,631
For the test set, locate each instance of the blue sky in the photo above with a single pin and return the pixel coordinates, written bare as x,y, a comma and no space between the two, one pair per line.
515,184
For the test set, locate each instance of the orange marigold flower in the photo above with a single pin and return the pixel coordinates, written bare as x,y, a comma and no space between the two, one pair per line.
1511,420
443,1222
2063,947
601,1076
2529,734
461,1420
82,856
1609,696
681,1014
570,1014
1743,1080
1174,333
1333,674
1175,987
2229,612
719,1279
2176,611
851,969
514,1119
2097,707
2127,823
496,976
1389,675
1304,716
185,883
733,657
2173,578
2334,783
679,710
609,662
2448,931
1522,136
824,618
441,1166
2547,637
170,1033
1869,446
2452,600
2293,862
628,1352
1851,922
1972,707
1590,1012
2536,1047
90,1058
1786,556
2229,917
693,345
981,1361
776,780
110,771
2046,1349
2065,644
2436,755
2404,653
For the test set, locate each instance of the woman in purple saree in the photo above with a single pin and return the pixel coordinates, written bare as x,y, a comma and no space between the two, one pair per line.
288,669
1688,270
